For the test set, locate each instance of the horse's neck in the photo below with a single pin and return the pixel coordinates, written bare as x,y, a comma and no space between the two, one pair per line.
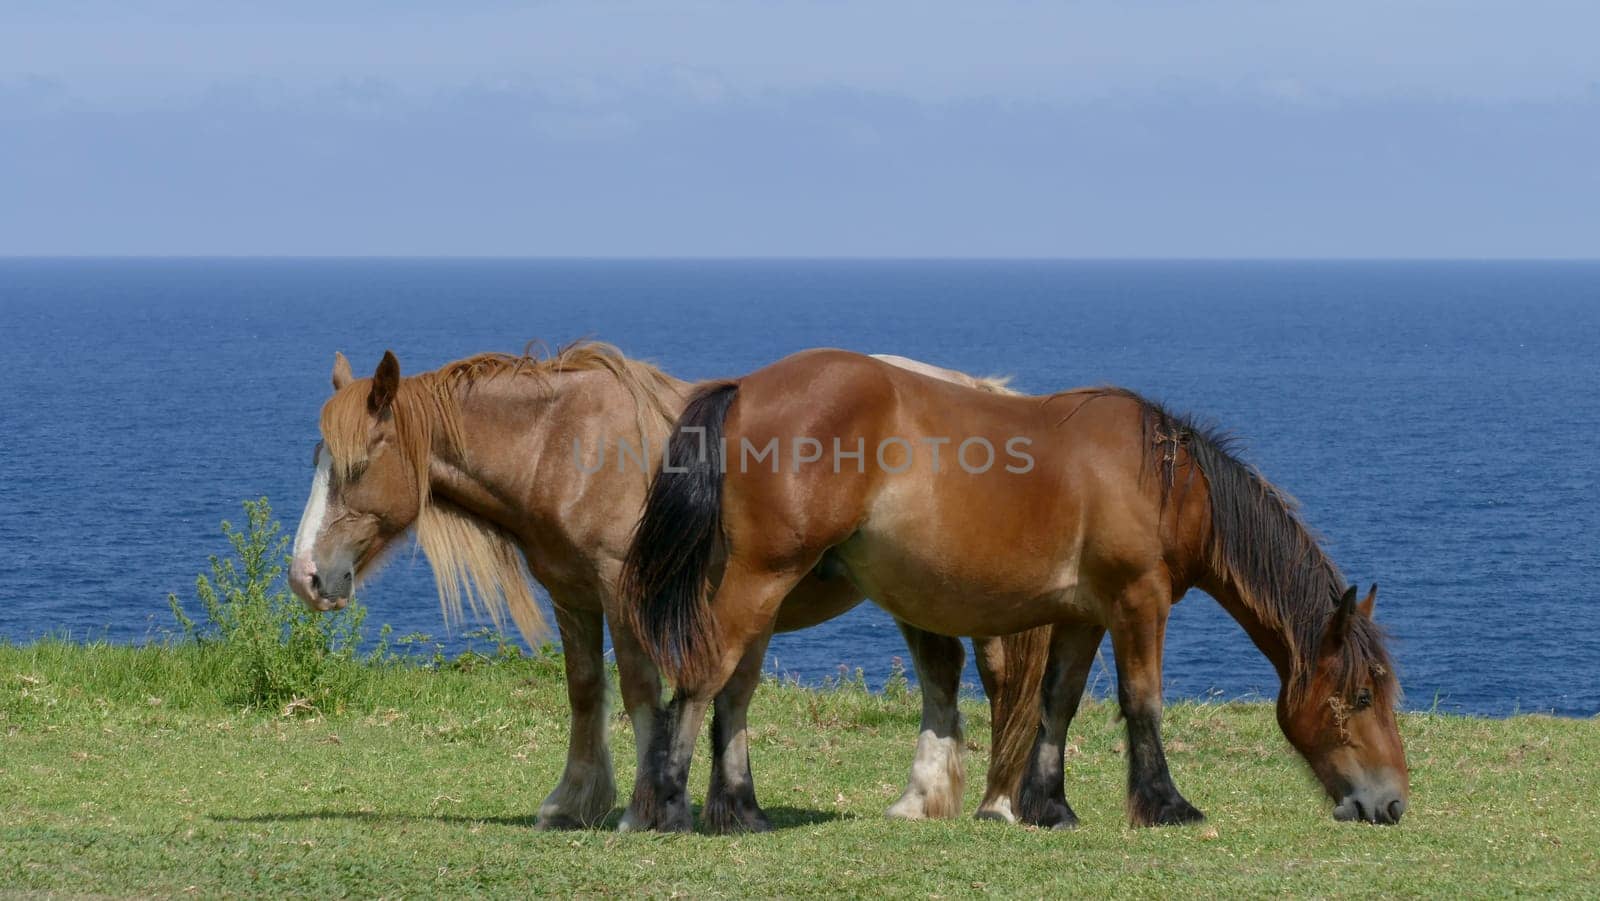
513,428
1267,637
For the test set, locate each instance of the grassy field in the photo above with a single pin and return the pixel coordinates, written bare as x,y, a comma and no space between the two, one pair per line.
124,772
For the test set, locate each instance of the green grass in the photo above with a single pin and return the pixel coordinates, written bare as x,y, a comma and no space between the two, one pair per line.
124,772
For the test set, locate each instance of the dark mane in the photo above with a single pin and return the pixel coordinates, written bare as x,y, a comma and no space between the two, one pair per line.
1264,551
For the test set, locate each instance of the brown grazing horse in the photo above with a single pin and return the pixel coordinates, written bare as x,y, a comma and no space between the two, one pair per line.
492,460
1101,511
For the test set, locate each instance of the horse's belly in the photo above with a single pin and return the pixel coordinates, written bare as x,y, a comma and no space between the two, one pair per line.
816,599
935,583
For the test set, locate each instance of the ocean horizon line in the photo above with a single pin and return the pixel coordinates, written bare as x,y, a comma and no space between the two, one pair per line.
778,258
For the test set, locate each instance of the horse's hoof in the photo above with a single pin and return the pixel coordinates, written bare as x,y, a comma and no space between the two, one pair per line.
1065,825
653,820
675,820
1064,819
1054,814
907,808
755,822
641,813
1173,811
736,820
999,811
558,822
1181,813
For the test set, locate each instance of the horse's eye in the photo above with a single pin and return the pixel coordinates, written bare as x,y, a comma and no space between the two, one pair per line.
1364,699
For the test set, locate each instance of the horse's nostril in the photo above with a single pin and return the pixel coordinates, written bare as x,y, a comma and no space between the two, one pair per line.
1396,808
316,582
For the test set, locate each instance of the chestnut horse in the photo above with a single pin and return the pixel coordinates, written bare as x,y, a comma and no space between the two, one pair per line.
492,460
1102,510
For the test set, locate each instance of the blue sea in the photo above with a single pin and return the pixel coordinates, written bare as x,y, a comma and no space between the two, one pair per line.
1439,422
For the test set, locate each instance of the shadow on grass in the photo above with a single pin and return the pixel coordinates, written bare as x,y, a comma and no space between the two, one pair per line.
781,818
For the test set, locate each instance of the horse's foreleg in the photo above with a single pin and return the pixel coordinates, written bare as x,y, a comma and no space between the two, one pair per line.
745,606
584,795
1137,637
938,778
1041,796
641,697
731,801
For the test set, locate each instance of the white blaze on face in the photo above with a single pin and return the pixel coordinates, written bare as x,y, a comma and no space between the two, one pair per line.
316,511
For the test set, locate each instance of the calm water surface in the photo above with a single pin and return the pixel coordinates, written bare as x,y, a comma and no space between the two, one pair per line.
1439,422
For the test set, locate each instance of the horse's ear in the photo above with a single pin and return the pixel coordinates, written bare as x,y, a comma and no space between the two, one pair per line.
341,372
1339,623
385,383
1372,598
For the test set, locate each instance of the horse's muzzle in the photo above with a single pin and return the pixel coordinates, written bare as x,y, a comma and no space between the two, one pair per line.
324,605
1370,809
306,582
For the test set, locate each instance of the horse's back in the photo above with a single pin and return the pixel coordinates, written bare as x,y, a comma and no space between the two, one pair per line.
965,511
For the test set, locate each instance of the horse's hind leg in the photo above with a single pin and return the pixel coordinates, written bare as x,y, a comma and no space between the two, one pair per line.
938,778
746,605
1041,796
584,795
1012,668
731,801
997,802
641,697
1137,635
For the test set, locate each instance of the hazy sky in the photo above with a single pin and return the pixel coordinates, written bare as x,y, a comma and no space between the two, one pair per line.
1067,129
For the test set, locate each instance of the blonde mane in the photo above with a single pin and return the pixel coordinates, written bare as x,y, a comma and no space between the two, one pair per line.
476,563
995,384
645,383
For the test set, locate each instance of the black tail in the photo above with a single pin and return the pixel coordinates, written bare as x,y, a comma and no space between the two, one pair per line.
664,579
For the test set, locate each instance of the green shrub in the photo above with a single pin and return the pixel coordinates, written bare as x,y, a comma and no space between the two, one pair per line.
268,648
